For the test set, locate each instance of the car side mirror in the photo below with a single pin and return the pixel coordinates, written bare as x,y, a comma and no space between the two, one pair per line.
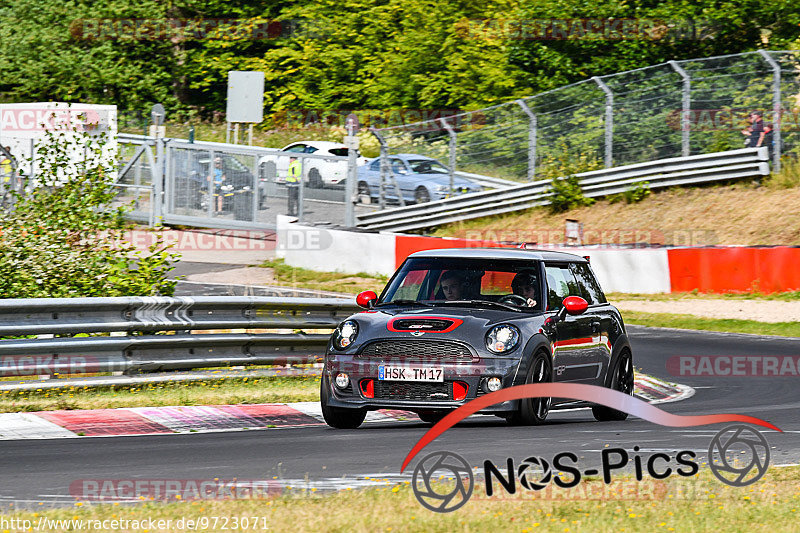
575,305
366,299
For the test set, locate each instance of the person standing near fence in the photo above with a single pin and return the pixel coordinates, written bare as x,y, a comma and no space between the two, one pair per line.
6,166
293,177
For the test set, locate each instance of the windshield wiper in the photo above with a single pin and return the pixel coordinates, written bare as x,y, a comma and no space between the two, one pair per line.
478,303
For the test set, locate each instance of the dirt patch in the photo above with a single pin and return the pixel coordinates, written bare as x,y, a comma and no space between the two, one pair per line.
758,310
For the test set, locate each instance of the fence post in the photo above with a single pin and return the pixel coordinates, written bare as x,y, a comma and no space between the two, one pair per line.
452,133
158,182
776,110
686,103
609,122
533,125
384,167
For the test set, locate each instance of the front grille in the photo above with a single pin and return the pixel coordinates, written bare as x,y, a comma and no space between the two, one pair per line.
394,390
418,349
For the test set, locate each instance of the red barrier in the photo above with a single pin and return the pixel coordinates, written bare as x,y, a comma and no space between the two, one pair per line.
734,269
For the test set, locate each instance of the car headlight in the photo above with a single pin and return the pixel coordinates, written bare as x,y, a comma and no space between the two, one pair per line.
345,334
442,188
502,338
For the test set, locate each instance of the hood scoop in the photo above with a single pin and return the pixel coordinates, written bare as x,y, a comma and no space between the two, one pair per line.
424,324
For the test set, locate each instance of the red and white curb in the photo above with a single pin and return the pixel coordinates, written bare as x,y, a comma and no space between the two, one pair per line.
215,418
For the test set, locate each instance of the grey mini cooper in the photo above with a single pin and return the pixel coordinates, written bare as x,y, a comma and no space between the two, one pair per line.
452,325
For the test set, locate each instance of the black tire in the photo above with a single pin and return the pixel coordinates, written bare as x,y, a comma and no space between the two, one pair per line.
432,417
337,417
533,411
421,195
363,188
314,179
620,380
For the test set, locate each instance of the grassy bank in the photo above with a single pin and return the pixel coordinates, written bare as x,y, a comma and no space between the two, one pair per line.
700,503
225,391
737,214
290,276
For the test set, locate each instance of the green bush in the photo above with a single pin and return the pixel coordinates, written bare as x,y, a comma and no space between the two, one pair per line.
567,194
61,237
633,195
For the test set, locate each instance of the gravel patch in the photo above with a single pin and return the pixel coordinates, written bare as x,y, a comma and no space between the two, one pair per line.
758,310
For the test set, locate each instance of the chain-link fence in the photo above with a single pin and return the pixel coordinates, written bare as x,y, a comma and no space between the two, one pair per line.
674,109
232,186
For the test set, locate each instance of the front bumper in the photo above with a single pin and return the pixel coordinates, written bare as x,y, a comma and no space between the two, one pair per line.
416,396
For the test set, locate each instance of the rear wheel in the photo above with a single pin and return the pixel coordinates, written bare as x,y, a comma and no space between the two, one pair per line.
533,411
621,381
421,195
338,417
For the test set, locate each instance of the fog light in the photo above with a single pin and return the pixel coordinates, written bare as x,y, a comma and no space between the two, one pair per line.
493,384
342,380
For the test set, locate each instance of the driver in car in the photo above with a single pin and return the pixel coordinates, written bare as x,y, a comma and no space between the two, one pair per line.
526,284
453,285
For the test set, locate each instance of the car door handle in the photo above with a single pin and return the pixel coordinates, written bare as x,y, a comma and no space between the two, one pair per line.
595,327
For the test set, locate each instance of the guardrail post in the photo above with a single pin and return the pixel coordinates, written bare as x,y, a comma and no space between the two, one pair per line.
532,133
452,148
686,102
776,110
609,122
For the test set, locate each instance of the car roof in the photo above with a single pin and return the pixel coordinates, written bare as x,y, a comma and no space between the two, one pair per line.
319,145
413,156
501,253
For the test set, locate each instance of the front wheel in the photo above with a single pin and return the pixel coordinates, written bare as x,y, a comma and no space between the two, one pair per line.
421,195
338,417
533,411
621,381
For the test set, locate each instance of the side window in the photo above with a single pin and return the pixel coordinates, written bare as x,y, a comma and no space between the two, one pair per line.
398,167
587,283
297,148
560,284
310,149
375,166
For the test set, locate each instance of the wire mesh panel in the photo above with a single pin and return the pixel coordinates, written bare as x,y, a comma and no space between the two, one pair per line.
647,114
724,90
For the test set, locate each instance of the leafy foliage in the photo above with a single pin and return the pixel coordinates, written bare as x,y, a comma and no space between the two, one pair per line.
350,54
60,239
633,195
567,194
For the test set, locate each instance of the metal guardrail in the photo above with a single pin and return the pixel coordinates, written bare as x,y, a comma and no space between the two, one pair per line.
705,168
158,333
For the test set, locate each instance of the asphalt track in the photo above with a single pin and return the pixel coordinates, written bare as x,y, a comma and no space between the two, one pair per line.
42,470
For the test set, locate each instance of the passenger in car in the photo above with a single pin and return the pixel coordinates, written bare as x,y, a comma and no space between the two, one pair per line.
526,284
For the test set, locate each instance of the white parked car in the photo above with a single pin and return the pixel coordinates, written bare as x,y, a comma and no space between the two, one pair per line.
316,172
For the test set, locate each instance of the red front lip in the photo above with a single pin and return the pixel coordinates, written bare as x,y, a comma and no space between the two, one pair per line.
455,323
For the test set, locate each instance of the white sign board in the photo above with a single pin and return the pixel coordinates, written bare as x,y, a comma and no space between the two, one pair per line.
245,96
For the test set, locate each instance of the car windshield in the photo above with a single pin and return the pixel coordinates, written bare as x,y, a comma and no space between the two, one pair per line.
427,166
449,281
